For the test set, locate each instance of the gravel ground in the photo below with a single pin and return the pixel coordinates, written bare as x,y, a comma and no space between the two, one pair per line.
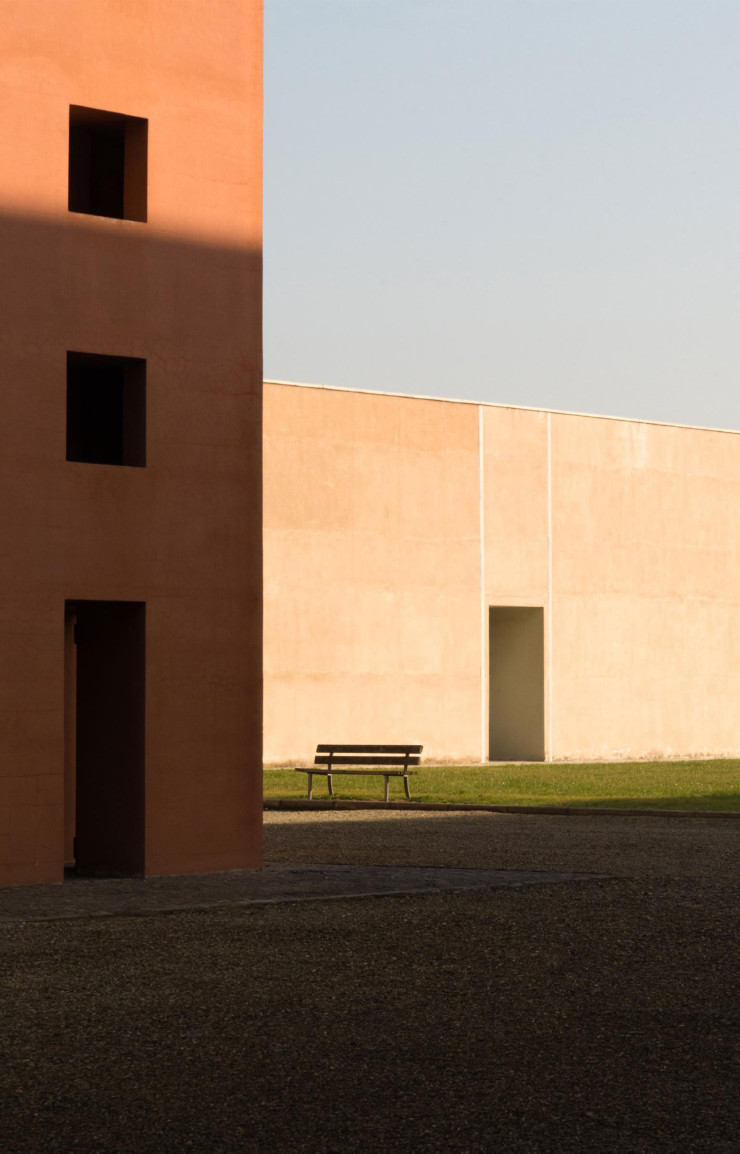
592,1016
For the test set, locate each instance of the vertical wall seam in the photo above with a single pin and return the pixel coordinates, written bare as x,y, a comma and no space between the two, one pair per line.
549,589
483,623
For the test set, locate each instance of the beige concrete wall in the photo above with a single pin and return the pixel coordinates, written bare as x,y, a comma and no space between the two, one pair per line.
372,607
646,601
515,506
392,524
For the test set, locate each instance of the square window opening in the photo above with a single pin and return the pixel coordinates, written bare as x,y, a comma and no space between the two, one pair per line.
106,409
107,164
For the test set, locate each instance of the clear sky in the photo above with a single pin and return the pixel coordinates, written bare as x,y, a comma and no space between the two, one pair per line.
531,202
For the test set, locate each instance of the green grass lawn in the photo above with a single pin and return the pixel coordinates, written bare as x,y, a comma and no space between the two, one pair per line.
708,785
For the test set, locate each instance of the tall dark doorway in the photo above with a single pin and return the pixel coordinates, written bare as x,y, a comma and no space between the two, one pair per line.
516,716
108,741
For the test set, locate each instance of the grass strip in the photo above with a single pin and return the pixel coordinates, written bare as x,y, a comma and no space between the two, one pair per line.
700,785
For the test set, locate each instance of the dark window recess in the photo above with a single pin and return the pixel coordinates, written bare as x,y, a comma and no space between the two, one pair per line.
107,163
106,409
108,736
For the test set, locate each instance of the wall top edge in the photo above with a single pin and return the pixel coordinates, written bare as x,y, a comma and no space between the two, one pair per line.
499,405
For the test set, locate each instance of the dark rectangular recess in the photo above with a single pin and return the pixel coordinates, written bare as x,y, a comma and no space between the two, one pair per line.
106,409
516,683
109,736
107,163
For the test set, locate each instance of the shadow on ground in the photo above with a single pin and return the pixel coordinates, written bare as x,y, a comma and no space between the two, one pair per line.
641,847
543,1020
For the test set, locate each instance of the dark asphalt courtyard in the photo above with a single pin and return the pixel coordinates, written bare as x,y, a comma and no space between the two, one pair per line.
596,1015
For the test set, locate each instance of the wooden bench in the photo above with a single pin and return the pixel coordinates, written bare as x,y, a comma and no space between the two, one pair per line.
330,757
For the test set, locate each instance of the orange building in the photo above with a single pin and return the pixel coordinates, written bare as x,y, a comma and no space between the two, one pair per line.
130,628
497,582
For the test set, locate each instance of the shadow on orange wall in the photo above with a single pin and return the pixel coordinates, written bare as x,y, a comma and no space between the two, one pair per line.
182,534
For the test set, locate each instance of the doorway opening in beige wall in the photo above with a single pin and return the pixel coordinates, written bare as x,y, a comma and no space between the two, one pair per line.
104,745
516,663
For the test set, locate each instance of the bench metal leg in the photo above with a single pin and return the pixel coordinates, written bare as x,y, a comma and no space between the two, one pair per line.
385,778
310,786
328,782
406,786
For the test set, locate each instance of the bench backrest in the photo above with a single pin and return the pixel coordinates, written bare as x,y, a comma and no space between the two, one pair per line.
400,755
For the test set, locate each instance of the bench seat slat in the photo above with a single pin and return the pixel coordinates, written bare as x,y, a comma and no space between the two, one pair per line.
356,772
368,748
384,759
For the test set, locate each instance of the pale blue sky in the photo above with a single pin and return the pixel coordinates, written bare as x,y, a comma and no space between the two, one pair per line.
532,202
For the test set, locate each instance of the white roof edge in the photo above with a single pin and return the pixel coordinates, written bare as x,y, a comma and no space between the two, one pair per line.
499,405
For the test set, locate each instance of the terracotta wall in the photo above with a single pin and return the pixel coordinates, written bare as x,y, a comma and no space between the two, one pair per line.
386,516
182,534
